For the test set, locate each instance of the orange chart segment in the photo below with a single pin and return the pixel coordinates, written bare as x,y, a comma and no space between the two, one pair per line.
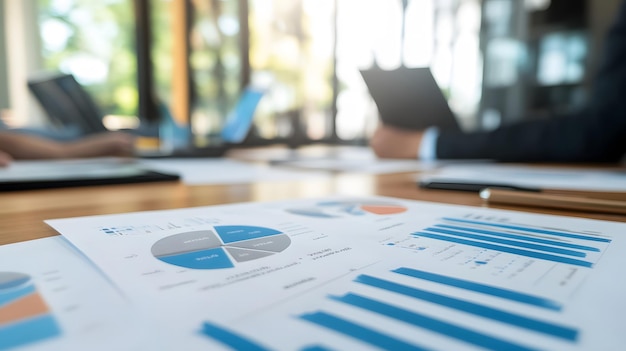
26,307
383,209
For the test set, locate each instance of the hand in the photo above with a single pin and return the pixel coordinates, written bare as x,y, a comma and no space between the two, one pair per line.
5,159
390,142
103,144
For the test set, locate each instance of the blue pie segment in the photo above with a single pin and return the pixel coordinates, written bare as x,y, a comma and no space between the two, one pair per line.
233,233
204,259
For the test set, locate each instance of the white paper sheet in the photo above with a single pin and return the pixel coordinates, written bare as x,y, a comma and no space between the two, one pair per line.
355,160
538,177
447,277
206,254
196,171
346,159
52,298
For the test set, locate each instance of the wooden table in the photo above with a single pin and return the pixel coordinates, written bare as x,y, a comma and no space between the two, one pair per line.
22,213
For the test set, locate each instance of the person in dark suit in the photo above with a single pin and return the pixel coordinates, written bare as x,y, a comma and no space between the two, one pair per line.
595,134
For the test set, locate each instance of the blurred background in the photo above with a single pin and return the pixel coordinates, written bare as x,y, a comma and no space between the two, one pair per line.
497,61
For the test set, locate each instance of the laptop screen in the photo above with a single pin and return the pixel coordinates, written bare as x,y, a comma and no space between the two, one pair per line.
239,121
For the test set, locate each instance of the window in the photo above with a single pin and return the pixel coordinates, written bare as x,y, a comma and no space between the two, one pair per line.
94,41
443,35
537,59
291,51
195,56
216,62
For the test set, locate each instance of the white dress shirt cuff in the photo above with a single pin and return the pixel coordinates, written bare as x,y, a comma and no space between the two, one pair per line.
428,146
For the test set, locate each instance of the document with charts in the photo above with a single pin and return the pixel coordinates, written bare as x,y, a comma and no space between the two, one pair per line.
367,273
214,255
52,298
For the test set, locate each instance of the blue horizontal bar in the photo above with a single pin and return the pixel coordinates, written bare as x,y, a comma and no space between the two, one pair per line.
315,348
473,308
482,288
11,295
507,249
525,245
359,332
532,230
27,331
229,338
432,324
521,237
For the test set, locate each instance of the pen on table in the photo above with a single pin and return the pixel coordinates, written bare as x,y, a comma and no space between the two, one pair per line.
469,186
538,199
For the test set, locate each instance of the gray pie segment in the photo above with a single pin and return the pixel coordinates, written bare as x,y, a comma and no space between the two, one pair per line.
243,255
186,242
310,212
274,243
10,280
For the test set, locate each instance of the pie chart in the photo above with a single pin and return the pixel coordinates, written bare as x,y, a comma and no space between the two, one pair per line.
337,209
220,248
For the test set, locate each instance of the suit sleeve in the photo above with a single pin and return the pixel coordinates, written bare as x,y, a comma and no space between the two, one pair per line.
596,134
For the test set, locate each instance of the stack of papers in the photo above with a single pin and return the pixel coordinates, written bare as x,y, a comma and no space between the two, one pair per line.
354,160
203,171
346,159
337,273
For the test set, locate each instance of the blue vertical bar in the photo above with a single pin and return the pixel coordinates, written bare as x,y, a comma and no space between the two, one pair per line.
474,308
532,230
229,338
527,253
359,332
482,288
435,325
516,243
521,237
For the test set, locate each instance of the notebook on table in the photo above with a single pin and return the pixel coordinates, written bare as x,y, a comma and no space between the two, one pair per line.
45,174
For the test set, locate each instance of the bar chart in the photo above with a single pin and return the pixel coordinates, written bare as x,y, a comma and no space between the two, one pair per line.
24,315
484,308
559,246
443,311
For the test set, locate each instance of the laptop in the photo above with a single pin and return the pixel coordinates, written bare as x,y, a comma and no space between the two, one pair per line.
236,128
409,98
66,102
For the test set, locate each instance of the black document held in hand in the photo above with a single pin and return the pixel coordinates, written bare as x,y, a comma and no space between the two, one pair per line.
409,98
